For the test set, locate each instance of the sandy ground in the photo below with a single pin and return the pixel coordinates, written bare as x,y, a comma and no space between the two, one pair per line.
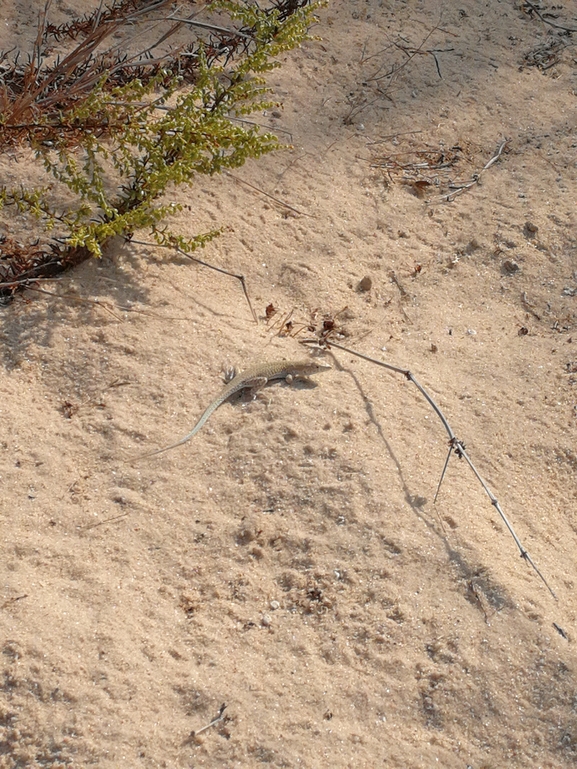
289,561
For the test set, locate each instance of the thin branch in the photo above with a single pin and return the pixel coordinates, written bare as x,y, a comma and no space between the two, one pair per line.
475,179
206,25
455,445
383,139
356,109
528,306
219,717
10,601
156,105
125,308
267,195
25,282
459,449
241,278
546,21
443,473
101,523
410,54
274,129
98,14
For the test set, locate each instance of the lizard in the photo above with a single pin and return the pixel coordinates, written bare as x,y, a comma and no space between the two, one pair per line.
253,378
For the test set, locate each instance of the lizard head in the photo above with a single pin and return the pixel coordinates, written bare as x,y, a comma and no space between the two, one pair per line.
314,366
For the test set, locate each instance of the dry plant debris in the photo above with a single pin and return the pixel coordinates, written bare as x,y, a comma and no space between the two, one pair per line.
425,169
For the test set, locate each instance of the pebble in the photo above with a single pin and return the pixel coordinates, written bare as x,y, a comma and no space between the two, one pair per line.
274,605
365,284
510,266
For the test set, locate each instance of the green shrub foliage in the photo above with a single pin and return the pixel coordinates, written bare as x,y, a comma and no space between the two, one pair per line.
121,147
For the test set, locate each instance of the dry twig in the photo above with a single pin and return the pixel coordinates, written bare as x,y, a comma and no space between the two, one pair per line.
268,195
533,9
475,179
219,717
241,278
101,523
10,601
455,445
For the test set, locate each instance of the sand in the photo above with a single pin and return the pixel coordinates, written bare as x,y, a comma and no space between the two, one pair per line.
289,562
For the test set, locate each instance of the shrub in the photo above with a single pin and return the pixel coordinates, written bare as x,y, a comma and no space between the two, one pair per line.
119,129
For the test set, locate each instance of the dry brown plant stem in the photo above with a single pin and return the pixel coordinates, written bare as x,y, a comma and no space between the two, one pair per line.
455,445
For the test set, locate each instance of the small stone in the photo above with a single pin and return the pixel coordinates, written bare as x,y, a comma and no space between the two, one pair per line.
276,113
472,246
365,284
531,228
266,620
510,267
274,605
256,553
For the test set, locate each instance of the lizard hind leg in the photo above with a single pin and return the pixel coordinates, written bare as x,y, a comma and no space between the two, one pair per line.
254,385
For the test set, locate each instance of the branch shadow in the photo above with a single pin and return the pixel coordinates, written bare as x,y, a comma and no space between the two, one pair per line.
472,579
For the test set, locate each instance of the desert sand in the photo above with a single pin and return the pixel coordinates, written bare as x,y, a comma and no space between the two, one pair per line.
289,562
